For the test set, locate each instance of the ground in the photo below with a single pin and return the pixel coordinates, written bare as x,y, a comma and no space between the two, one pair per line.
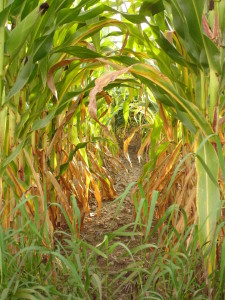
95,229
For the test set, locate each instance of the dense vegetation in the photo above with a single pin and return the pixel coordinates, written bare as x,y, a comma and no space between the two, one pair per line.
78,81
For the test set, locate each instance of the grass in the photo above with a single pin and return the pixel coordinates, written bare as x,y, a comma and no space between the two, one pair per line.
163,265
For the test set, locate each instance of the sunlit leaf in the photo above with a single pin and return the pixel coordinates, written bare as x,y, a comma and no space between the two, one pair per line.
208,197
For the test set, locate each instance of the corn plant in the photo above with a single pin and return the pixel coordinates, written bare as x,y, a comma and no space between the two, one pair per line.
49,147
184,43
54,113
183,66
195,32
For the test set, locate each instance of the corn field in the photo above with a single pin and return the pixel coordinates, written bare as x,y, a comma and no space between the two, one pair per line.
80,81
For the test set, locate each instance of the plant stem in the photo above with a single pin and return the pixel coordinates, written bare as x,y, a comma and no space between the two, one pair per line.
203,94
1,97
2,38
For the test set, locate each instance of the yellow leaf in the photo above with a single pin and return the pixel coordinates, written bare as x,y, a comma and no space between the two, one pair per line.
144,145
126,144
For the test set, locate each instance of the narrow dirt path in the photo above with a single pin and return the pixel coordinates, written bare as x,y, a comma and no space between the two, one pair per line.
96,228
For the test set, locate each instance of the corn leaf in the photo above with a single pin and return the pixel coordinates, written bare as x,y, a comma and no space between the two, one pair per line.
208,198
19,35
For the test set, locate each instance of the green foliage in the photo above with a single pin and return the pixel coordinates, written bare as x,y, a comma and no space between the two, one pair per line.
52,56
159,268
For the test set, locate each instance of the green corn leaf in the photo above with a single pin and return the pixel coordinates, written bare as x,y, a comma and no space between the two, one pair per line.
221,11
17,7
42,46
22,78
87,31
154,199
19,35
43,65
151,7
192,11
207,170
160,80
169,49
94,12
12,156
96,37
220,156
126,111
87,3
127,61
67,15
135,19
64,166
185,119
188,22
208,198
81,52
41,123
4,15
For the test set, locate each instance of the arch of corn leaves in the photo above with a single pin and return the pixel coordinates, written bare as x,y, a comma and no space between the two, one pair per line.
53,147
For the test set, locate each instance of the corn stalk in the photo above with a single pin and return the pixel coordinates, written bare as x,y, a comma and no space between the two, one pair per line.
45,89
2,110
49,70
194,49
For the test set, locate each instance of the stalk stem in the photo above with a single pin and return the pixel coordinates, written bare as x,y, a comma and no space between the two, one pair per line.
203,95
2,29
2,39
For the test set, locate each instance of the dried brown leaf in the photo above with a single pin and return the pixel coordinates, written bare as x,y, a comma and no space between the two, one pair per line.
206,27
168,166
125,42
126,144
83,114
144,145
184,187
169,36
166,125
97,192
42,207
68,115
216,26
61,195
189,203
50,75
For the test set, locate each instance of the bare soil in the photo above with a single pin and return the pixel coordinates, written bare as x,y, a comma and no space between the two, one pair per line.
96,228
